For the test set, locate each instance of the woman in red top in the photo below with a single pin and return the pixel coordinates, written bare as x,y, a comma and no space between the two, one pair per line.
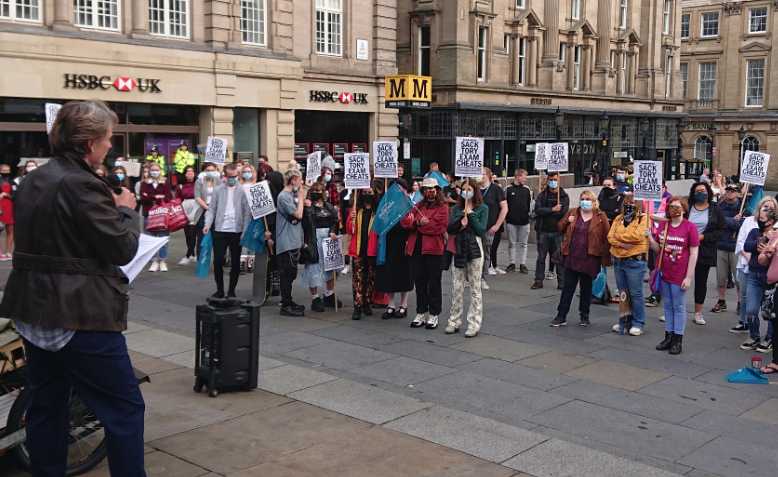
154,191
186,191
7,210
426,243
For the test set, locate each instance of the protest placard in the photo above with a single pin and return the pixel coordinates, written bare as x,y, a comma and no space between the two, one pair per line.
260,200
469,160
51,115
332,258
385,159
356,174
313,167
541,156
647,184
557,157
132,167
754,168
216,150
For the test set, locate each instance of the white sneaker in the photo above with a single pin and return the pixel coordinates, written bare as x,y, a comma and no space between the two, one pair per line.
154,266
550,276
419,321
698,319
184,261
451,329
616,328
662,318
163,266
635,331
492,271
499,271
484,285
344,271
432,322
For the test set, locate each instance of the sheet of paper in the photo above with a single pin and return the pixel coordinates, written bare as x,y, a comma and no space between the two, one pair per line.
147,247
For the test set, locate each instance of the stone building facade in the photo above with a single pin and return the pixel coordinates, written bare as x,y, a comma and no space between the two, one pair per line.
602,75
274,77
726,58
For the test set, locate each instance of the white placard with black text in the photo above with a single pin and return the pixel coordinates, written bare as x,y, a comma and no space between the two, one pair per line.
754,168
385,159
356,170
469,160
541,156
313,167
647,183
332,252
558,153
51,115
216,150
260,200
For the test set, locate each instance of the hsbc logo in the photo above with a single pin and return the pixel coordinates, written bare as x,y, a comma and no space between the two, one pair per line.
344,97
123,84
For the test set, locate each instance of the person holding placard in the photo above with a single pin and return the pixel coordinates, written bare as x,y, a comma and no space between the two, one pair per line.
395,276
325,223
551,206
29,166
726,261
363,247
289,238
156,191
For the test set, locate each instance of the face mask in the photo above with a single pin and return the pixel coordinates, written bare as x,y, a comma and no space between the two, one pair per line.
620,177
295,189
675,212
212,174
120,176
700,197
247,176
316,195
553,184
30,169
366,200
154,174
586,204
327,177
761,223
629,209
467,194
430,195
232,181
5,174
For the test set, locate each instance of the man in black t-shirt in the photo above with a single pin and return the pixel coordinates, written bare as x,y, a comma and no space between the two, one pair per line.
494,198
519,198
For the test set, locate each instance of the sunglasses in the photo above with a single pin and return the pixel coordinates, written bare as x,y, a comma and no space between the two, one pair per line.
675,206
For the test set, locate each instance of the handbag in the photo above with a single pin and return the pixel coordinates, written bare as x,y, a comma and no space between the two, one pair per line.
309,252
157,220
177,218
193,210
767,308
655,278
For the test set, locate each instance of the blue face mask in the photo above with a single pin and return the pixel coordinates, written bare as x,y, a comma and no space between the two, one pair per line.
247,176
120,176
553,184
586,204
232,181
467,194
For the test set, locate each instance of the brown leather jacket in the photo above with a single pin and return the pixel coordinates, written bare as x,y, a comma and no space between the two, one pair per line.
599,227
70,240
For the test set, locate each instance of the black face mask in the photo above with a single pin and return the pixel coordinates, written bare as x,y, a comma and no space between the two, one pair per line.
5,174
316,195
761,223
366,200
610,193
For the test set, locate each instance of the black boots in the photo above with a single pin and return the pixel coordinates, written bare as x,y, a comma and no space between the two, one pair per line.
672,342
665,344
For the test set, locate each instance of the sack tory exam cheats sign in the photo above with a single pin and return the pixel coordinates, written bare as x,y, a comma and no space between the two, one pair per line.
51,115
557,157
260,200
313,167
754,168
469,161
647,184
385,159
216,150
541,156
332,254
356,174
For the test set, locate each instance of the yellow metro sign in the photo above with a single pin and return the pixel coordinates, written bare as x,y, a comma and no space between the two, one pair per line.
408,91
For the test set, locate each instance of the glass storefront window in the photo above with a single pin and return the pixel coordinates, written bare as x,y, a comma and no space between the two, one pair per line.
169,114
245,125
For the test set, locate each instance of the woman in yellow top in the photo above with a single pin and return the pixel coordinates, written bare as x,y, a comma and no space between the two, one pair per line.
628,238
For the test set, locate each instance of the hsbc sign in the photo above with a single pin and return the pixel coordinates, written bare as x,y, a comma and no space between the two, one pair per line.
337,97
123,84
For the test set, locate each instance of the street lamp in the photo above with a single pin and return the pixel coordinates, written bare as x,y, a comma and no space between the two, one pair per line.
559,118
741,136
605,127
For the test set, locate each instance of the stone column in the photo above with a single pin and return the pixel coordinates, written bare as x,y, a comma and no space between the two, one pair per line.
570,65
585,67
532,60
140,18
63,15
551,43
620,71
633,73
604,31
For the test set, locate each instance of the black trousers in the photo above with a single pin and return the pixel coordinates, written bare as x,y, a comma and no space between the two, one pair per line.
221,242
427,271
495,246
190,231
701,283
199,234
287,268
569,284
548,243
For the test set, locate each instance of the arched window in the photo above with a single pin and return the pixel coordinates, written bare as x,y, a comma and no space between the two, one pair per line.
750,143
703,149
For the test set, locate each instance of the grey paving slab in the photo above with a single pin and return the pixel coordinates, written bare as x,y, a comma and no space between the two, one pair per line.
599,325
736,428
361,401
287,379
554,339
767,412
403,371
430,353
708,396
279,343
500,348
355,335
726,358
269,363
484,438
158,343
135,326
728,457
271,323
617,375
339,355
517,374
185,359
632,402
556,361
627,431
556,458
402,330
653,360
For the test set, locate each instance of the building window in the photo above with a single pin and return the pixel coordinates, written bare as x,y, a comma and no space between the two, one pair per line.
575,10
252,21
481,63
668,74
577,50
521,3
685,80
425,49
169,18
563,53
750,143
703,149
667,16
623,8
102,14
755,82
329,27
20,9
685,22
757,20
522,47
707,81
710,24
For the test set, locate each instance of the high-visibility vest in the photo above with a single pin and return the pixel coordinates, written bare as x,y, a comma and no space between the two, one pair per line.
182,160
159,160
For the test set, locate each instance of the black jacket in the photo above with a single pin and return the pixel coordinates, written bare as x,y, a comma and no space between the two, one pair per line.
545,219
610,203
711,235
70,240
519,199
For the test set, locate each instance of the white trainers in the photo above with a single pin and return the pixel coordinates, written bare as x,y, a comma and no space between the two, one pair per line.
662,318
471,333
492,271
432,322
550,276
419,321
451,329
698,319
344,271
616,328
163,266
499,271
154,266
484,285
635,331
184,261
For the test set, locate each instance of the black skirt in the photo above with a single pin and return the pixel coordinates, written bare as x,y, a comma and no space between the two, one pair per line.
395,275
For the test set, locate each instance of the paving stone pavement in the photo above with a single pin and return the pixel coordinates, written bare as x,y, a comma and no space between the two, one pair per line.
374,397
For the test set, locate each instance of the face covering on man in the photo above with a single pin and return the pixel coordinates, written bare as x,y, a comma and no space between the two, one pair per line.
119,176
366,200
316,196
620,177
232,181
553,184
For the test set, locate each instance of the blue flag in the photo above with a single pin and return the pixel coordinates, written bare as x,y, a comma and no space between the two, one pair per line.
438,176
394,205
254,236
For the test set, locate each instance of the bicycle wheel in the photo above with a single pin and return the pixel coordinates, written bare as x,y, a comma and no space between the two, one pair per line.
86,436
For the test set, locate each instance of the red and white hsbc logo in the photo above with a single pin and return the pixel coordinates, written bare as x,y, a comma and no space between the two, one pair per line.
344,97
124,84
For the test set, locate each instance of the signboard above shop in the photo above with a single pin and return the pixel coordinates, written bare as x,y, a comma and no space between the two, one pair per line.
408,91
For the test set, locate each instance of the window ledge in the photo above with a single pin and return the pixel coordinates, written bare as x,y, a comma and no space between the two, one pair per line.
756,34
711,37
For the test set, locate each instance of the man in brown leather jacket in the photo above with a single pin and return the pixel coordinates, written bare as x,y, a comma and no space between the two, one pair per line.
68,296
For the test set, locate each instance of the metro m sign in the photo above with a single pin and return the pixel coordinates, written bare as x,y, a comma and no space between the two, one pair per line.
408,91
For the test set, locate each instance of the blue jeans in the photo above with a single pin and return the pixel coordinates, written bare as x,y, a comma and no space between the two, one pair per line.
755,285
629,278
742,277
97,367
674,302
162,254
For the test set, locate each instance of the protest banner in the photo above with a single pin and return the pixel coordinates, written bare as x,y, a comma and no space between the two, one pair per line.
313,167
356,174
216,150
647,184
754,168
260,200
332,258
541,156
385,159
557,157
469,160
51,115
